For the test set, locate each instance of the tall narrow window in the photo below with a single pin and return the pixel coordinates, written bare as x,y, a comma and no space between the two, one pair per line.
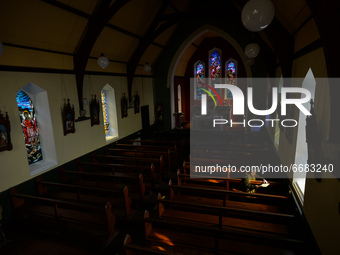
179,95
301,154
215,64
105,117
29,126
230,74
199,73
109,112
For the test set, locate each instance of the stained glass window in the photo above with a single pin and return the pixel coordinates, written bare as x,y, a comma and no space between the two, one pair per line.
199,72
230,74
105,112
29,126
215,65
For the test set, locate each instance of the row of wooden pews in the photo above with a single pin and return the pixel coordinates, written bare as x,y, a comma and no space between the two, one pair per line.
217,216
94,223
189,215
100,196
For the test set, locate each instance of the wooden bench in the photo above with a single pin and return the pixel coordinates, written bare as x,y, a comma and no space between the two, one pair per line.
107,180
100,220
184,180
157,162
220,197
225,183
148,171
119,199
177,147
164,148
134,249
225,216
142,153
211,239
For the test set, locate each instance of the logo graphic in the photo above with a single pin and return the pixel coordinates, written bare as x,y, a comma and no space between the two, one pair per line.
238,100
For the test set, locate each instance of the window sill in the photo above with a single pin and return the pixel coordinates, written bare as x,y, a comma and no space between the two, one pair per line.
40,166
110,139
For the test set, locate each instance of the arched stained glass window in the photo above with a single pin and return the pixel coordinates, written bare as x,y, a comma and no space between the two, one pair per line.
199,73
108,99
105,117
215,64
230,74
29,126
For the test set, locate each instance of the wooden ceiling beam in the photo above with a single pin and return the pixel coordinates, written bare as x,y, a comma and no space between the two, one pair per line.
99,19
144,43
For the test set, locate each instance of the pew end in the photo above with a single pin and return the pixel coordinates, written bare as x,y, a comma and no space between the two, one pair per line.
147,225
160,206
62,176
16,201
127,201
111,220
42,189
171,191
179,180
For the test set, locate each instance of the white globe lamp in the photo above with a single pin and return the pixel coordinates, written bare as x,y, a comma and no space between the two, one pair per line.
252,50
103,61
257,14
147,68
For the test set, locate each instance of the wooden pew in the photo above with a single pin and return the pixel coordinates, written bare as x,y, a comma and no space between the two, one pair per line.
184,180
208,180
107,180
224,183
233,199
237,147
167,159
119,199
177,146
225,216
99,219
165,148
148,171
211,239
158,163
134,249
190,177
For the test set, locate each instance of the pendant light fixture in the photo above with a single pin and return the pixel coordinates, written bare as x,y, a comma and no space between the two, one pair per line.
102,61
257,14
147,67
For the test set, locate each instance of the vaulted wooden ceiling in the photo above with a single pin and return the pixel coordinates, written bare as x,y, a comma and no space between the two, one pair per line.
68,34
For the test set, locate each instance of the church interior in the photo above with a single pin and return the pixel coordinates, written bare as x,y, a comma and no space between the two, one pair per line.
101,105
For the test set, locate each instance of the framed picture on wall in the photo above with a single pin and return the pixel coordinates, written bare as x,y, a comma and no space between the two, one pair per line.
68,117
94,111
5,133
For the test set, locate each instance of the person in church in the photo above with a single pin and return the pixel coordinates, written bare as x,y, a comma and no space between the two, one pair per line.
253,176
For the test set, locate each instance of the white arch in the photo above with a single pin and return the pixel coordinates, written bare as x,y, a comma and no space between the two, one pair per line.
110,96
181,49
